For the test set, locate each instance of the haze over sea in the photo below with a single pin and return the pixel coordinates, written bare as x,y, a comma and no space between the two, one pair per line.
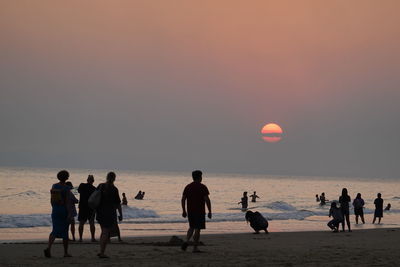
288,202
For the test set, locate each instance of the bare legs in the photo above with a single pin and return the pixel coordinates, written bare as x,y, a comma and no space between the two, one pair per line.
347,219
104,237
73,229
362,219
47,251
196,237
92,230
379,220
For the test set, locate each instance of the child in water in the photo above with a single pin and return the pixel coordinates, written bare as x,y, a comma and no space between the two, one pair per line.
337,215
244,201
124,200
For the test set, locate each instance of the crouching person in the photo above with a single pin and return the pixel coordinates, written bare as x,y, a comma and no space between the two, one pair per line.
337,215
257,221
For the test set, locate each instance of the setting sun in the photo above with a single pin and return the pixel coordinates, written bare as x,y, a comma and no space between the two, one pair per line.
272,133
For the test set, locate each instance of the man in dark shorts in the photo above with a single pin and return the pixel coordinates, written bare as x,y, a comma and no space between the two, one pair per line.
86,213
196,196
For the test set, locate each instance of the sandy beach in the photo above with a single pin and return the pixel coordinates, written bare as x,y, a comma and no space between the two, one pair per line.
379,247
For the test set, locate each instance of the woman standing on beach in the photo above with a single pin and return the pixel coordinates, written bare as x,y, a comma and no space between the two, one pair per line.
106,212
59,215
358,204
344,200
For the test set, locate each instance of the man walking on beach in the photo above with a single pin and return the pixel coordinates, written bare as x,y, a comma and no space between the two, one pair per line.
196,196
86,213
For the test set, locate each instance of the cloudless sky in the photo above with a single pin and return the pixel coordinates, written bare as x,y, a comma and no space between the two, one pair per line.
181,85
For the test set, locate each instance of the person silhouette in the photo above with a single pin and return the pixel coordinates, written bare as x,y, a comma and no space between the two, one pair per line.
317,198
195,196
337,215
388,206
254,197
257,221
358,204
139,195
85,212
106,213
124,200
344,200
59,215
71,201
322,199
244,201
378,208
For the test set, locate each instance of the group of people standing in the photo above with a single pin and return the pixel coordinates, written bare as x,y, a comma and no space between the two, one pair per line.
341,215
63,211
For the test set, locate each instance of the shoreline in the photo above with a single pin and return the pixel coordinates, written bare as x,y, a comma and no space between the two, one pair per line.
366,247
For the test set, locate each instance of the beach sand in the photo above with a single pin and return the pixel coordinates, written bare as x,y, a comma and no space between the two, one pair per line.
379,247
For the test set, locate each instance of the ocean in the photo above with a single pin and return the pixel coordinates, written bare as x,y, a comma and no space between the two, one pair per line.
288,202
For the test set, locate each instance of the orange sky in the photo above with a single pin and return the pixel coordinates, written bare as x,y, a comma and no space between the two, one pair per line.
205,68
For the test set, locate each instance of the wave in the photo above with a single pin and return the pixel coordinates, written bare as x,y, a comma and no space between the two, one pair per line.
43,219
28,193
280,205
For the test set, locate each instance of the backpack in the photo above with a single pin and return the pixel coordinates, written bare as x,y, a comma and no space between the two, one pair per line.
95,199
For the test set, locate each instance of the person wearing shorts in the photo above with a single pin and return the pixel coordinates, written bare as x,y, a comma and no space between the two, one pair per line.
86,213
195,197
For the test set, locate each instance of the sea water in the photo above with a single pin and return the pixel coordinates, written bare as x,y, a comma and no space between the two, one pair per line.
288,202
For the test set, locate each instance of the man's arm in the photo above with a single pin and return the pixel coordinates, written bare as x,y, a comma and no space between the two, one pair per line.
119,212
183,203
208,203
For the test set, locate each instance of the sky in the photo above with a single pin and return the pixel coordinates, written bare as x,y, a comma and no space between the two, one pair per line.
182,85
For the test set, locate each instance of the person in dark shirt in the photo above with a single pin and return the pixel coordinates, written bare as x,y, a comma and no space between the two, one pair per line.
257,221
86,213
388,206
337,215
244,201
378,208
106,212
358,204
344,200
195,195
124,200
322,199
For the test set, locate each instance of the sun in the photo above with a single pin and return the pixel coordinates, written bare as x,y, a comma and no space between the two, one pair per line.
272,133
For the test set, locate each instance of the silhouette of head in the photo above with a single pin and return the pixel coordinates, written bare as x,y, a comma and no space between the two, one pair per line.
344,192
69,184
111,177
249,215
123,194
62,175
90,179
379,195
197,175
244,193
333,204
143,193
358,195
323,194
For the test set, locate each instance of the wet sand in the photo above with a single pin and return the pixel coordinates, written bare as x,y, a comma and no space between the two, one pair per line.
378,247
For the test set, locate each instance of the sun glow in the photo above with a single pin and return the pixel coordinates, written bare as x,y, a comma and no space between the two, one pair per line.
272,133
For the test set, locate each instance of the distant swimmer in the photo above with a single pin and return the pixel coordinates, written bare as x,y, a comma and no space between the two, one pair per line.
322,199
388,206
139,195
317,198
257,221
244,201
142,195
254,197
124,200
